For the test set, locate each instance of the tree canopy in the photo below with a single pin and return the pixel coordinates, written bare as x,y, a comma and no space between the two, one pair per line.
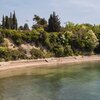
54,23
9,22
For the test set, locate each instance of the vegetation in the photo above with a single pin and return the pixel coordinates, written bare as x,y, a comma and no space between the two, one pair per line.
53,23
9,54
37,53
9,22
47,39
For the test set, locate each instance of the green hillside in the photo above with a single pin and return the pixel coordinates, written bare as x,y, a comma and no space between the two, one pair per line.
46,39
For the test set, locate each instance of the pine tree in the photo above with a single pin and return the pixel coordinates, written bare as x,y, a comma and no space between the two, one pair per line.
54,23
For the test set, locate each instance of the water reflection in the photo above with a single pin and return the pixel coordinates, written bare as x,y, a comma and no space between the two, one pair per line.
74,82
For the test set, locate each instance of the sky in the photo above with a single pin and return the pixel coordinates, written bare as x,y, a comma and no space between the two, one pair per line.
77,11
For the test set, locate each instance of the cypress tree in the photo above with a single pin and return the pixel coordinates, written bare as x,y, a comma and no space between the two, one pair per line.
14,19
54,23
7,22
11,21
50,24
0,26
3,22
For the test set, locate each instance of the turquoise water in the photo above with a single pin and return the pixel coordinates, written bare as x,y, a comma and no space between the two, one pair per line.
69,82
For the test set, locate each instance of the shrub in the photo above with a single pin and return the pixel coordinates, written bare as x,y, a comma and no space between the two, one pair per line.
16,54
68,51
36,53
58,51
17,38
8,54
1,39
3,52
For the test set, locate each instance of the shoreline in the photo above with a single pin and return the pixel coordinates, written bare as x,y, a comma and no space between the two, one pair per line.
46,62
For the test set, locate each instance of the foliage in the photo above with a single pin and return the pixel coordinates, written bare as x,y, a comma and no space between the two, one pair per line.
58,51
8,54
39,22
37,53
54,40
1,39
26,27
16,37
68,51
21,28
14,21
54,23
9,22
85,41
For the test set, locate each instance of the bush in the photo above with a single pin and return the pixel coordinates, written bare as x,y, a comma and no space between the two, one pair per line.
16,54
8,54
4,52
58,51
1,39
36,53
26,36
68,51
35,36
17,38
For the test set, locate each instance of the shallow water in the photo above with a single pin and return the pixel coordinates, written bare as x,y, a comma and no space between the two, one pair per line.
69,82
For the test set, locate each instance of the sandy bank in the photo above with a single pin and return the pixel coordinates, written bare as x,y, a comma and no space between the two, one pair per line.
47,61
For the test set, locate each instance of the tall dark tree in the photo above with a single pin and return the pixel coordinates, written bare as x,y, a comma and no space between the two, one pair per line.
7,22
54,23
11,21
14,19
3,22
0,26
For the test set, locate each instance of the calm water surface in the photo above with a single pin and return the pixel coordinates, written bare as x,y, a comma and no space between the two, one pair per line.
69,82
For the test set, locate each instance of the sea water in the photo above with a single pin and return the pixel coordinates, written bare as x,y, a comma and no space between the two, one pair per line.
63,82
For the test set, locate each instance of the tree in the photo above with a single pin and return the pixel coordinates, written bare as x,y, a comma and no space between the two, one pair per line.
0,26
39,22
97,49
85,41
21,28
11,21
26,27
91,40
14,20
54,23
3,22
70,26
7,22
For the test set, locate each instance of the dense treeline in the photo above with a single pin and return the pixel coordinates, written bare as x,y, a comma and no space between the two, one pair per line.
49,38
9,22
